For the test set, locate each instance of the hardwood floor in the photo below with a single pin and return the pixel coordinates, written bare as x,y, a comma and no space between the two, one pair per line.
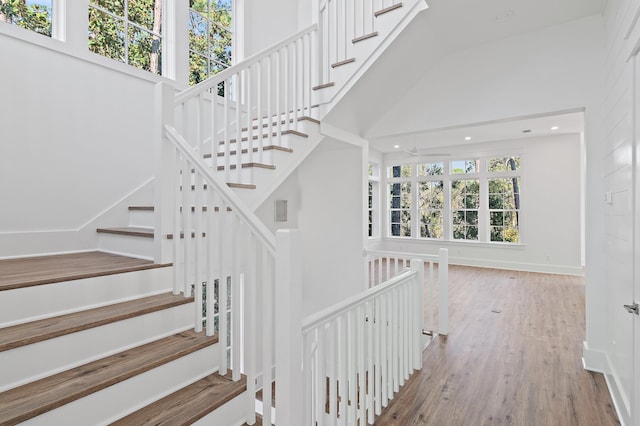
513,356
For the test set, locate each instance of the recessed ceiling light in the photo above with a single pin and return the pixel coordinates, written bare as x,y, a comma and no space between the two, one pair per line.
468,138
396,146
555,128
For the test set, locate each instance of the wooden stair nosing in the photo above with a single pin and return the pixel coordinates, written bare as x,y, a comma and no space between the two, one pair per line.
387,9
129,231
67,272
266,136
341,63
249,165
37,331
188,404
241,185
36,398
141,208
246,150
324,86
364,37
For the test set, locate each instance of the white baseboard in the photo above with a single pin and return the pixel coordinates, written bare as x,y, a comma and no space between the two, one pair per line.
598,361
594,360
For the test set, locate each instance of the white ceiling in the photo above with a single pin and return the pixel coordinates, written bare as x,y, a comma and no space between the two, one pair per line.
462,24
439,141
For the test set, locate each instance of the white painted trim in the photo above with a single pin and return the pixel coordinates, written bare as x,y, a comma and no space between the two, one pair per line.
593,360
48,254
617,399
518,266
342,135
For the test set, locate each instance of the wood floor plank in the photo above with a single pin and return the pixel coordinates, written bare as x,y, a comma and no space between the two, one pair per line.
513,356
49,328
26,272
189,404
33,399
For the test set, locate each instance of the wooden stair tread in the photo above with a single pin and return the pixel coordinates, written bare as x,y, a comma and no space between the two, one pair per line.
364,37
324,86
37,331
282,122
30,400
250,165
245,150
266,136
130,231
188,404
32,271
388,9
141,208
241,185
341,63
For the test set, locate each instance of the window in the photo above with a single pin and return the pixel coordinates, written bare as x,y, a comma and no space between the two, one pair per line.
400,209
34,15
373,202
504,199
465,204
210,38
128,31
475,199
431,209
400,200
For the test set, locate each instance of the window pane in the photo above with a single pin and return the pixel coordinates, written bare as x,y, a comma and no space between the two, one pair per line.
33,15
400,171
144,50
106,35
504,207
503,164
114,6
430,169
465,166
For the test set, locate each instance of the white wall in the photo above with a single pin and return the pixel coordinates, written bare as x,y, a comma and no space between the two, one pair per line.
76,138
550,215
268,22
331,224
618,163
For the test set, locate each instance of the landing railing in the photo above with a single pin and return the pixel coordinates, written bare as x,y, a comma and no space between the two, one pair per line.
357,354
384,265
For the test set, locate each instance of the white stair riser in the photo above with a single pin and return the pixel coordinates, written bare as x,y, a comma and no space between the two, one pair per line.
127,245
130,395
43,301
233,413
141,218
32,362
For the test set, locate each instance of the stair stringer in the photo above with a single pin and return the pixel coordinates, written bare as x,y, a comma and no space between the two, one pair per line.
271,181
345,77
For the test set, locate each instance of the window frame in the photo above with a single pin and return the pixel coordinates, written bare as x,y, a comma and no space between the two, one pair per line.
481,174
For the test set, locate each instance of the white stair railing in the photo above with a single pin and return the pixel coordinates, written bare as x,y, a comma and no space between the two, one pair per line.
246,108
384,265
358,353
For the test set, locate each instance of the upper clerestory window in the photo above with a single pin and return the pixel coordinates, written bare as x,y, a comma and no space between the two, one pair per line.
34,15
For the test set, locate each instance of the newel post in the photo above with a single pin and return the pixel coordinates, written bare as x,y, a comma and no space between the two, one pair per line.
288,327
165,165
417,266
443,291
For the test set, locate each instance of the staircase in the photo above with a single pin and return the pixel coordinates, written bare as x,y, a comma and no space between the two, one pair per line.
102,338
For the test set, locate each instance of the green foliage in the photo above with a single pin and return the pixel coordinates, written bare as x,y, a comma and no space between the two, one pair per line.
210,39
109,35
34,17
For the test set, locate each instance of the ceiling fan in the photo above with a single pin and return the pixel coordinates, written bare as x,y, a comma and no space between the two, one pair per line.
416,153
